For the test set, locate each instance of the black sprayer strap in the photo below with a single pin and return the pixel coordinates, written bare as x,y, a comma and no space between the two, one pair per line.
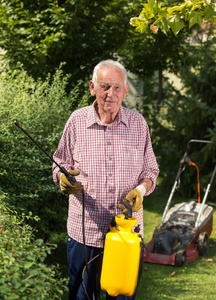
141,267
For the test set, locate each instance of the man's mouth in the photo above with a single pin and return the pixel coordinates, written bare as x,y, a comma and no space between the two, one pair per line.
109,100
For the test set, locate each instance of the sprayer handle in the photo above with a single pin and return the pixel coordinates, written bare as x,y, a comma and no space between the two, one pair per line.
129,209
69,177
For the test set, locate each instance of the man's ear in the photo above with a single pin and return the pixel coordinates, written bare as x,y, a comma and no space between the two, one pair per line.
92,88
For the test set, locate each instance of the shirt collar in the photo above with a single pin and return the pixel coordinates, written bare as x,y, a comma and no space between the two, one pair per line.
93,117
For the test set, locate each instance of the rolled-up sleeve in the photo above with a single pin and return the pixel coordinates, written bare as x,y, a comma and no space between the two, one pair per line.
150,166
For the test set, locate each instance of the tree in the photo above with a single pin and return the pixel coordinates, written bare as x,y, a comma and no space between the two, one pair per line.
163,32
42,34
160,14
176,115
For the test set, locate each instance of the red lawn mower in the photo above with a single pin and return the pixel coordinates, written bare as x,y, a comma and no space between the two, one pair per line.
184,232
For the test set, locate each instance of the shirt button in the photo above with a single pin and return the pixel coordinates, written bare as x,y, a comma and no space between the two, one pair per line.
109,143
110,174
110,158
110,190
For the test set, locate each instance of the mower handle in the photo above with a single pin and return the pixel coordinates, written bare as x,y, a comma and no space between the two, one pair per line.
184,161
199,141
205,142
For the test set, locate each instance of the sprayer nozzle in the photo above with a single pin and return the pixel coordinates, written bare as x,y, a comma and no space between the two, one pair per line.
16,123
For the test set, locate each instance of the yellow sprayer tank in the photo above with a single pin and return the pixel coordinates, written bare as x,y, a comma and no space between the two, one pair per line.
121,258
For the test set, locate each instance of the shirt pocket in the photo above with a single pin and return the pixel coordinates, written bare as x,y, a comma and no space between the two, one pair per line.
130,162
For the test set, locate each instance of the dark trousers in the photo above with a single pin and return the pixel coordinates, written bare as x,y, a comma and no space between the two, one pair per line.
80,283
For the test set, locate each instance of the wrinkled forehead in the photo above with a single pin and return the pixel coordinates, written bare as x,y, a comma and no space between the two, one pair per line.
111,76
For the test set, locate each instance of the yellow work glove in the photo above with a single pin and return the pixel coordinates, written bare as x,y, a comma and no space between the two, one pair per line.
134,198
68,187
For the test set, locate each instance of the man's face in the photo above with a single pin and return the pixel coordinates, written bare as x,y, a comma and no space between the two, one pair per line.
110,89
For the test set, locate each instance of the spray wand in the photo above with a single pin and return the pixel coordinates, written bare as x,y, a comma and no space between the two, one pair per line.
62,169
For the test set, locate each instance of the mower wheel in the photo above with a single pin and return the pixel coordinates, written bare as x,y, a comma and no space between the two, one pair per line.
181,258
203,243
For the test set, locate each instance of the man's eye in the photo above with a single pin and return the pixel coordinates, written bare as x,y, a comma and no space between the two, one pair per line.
105,87
117,88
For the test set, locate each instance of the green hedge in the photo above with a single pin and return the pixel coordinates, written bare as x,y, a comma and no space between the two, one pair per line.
23,273
26,185
42,108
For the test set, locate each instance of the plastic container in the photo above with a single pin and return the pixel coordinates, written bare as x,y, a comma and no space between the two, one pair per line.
121,258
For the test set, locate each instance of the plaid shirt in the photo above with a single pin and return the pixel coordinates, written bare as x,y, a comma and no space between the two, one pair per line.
112,161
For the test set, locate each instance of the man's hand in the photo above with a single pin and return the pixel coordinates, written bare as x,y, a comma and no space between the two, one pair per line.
68,187
134,198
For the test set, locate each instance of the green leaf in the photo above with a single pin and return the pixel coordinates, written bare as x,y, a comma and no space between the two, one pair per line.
176,25
148,11
153,6
163,25
174,8
140,24
134,21
209,13
195,18
142,27
13,296
28,265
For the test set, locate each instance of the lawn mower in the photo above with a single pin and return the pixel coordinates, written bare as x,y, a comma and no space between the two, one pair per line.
183,234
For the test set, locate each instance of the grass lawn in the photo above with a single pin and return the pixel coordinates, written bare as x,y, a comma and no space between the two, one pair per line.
196,280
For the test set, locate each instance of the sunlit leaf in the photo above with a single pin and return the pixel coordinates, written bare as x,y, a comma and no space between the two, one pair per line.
195,18
209,13
176,25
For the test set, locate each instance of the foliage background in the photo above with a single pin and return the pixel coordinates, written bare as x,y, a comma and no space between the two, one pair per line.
42,34
41,108
23,271
51,48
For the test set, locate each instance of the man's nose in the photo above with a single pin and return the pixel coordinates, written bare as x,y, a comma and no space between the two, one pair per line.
110,91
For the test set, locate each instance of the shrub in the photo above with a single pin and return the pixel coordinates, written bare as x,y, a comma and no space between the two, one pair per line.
42,108
23,273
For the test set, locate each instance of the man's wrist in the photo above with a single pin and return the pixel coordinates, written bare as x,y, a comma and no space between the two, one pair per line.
141,189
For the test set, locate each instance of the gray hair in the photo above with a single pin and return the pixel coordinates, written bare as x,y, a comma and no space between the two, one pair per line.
112,64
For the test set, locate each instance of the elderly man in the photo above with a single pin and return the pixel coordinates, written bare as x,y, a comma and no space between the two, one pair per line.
108,148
